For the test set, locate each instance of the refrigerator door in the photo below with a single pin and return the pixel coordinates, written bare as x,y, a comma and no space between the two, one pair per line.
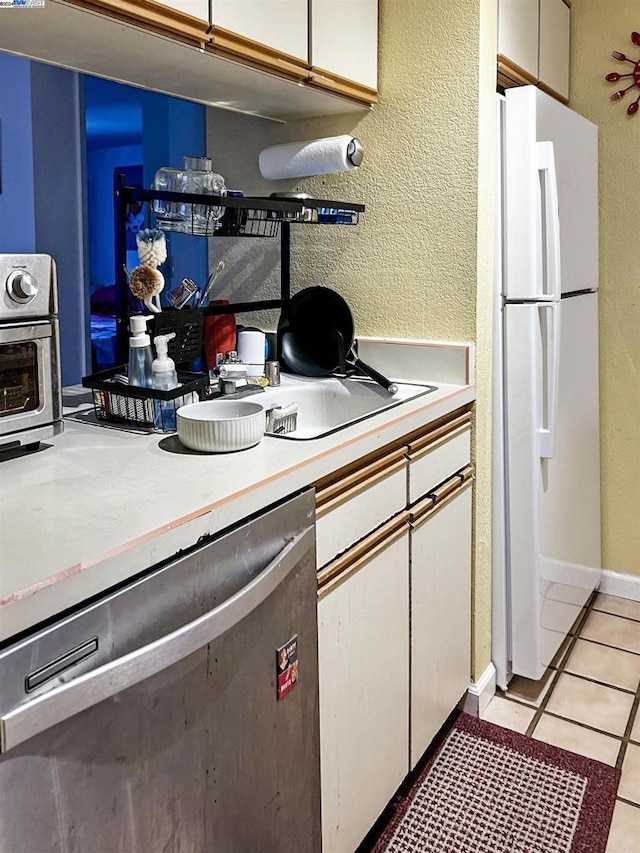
553,499
532,117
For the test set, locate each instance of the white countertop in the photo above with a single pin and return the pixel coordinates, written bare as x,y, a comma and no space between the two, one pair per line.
95,506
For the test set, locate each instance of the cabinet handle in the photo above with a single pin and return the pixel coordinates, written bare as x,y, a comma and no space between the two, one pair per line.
343,86
513,74
440,498
235,46
451,483
421,507
362,553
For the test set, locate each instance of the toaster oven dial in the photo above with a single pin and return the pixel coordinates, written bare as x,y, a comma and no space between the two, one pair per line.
22,287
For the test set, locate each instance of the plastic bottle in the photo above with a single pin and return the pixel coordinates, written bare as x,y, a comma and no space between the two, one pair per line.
164,378
140,353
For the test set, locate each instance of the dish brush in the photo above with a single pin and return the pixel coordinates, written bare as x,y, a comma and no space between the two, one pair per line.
282,419
152,247
146,283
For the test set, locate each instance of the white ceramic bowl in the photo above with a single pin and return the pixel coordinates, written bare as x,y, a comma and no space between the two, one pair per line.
220,426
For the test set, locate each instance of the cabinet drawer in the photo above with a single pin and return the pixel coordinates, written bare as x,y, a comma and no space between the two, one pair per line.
437,455
349,508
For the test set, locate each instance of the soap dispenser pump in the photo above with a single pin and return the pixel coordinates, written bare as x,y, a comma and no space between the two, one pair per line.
164,378
140,354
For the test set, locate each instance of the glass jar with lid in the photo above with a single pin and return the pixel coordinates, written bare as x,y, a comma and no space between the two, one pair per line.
196,176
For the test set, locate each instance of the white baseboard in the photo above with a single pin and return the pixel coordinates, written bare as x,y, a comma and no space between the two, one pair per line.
624,586
480,693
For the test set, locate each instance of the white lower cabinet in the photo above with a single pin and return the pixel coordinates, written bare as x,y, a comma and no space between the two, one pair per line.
440,614
394,617
363,625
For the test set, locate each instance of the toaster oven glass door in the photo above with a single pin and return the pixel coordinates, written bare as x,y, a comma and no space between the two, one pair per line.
26,391
18,378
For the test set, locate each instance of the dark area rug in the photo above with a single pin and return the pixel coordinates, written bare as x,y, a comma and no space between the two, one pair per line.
490,790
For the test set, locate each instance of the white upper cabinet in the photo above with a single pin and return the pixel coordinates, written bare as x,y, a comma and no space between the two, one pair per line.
278,24
254,58
518,33
344,39
553,59
195,8
533,44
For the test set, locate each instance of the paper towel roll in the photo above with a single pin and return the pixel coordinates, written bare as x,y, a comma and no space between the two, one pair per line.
313,157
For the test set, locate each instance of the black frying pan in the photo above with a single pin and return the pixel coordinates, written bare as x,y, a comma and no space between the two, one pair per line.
315,336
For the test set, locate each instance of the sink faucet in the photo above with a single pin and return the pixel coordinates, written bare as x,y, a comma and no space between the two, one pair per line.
231,372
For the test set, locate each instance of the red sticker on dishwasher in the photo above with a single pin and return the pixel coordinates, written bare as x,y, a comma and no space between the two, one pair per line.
287,666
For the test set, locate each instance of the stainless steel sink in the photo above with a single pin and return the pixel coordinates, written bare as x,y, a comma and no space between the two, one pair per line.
328,404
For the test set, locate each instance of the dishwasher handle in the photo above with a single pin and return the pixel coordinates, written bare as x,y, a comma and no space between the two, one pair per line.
91,688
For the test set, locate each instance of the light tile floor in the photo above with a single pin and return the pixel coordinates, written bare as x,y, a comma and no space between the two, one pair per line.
588,703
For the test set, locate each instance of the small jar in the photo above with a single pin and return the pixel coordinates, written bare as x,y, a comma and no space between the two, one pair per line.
169,216
199,177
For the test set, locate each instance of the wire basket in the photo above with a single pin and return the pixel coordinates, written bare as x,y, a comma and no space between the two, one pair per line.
145,408
243,222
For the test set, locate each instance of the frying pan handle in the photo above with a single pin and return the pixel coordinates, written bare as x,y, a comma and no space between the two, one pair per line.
372,373
342,352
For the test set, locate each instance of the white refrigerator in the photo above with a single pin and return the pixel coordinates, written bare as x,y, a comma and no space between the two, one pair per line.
546,499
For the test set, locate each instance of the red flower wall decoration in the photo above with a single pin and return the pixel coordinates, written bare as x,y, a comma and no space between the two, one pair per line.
613,77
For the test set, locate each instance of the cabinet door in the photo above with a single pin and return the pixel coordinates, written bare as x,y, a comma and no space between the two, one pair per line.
279,24
518,33
363,644
440,616
195,8
553,61
344,39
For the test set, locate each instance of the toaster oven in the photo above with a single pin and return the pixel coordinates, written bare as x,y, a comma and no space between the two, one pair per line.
30,392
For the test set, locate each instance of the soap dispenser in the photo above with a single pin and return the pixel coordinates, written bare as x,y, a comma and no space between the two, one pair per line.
140,353
164,378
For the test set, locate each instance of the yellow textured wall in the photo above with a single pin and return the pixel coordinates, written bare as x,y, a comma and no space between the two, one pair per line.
410,269
421,262
597,28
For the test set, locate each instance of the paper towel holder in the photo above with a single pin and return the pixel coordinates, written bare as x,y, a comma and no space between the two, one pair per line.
355,151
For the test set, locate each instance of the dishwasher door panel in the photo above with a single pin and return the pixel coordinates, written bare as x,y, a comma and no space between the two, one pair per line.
200,757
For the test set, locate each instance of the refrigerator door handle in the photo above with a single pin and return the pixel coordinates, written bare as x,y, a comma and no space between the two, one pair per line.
60,703
550,370
550,231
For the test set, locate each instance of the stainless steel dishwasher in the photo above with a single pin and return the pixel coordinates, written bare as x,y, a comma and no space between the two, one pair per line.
178,714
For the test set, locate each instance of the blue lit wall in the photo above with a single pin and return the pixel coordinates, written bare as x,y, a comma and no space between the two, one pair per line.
126,126
42,199
17,214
